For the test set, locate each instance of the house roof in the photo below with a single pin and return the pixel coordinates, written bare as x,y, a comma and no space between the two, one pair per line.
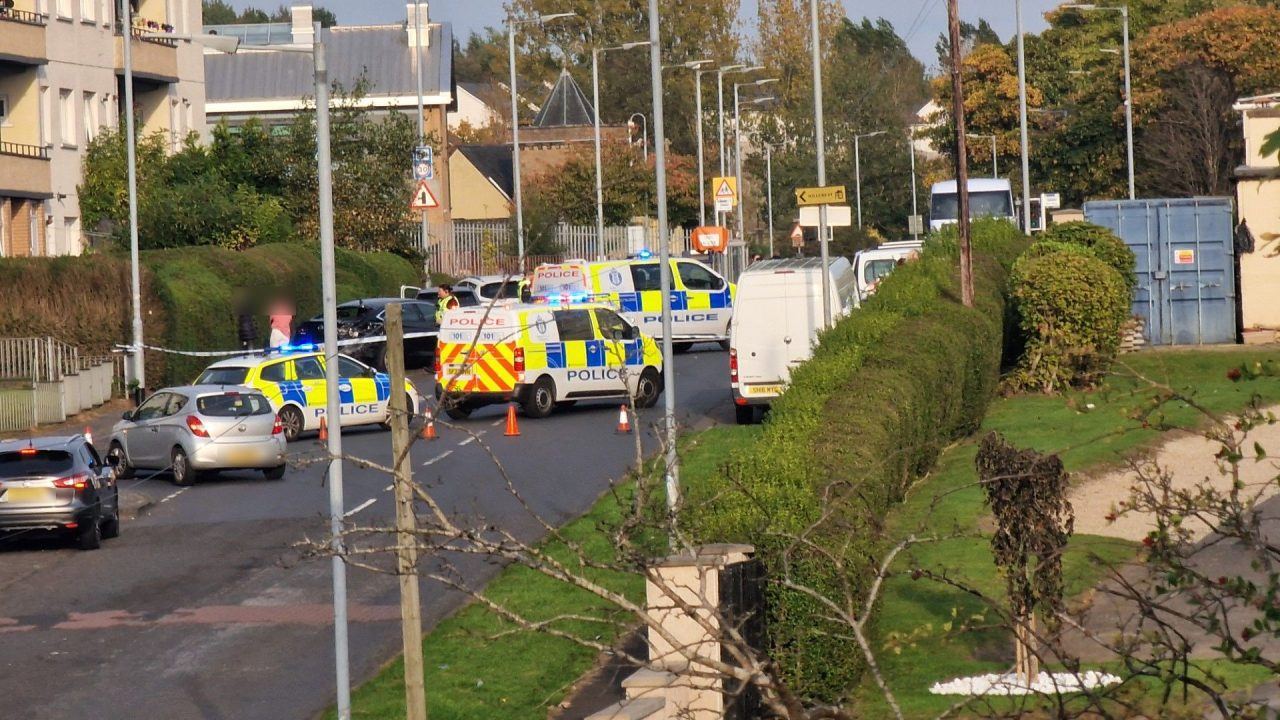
565,106
494,162
377,53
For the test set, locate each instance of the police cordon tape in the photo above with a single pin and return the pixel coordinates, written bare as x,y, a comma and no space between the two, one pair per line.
279,349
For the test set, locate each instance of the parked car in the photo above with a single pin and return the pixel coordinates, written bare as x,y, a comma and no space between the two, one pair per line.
873,265
58,484
192,430
430,294
366,318
488,287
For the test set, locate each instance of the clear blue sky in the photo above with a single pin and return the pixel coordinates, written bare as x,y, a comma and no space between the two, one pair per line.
470,15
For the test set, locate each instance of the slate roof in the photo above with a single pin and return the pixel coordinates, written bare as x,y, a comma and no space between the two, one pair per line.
379,53
494,162
566,106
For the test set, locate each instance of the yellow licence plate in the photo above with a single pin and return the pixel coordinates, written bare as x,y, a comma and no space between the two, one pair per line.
762,390
240,455
27,495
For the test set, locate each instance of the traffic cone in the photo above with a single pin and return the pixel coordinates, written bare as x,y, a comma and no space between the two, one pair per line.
324,430
88,434
513,430
624,420
429,428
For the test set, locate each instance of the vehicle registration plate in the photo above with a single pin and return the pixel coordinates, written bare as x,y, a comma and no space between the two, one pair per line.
239,455
752,390
27,495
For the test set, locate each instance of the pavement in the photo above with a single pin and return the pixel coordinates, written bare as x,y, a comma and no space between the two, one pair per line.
206,607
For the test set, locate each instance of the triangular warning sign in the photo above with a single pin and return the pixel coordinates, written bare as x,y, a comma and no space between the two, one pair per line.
725,190
423,198
797,232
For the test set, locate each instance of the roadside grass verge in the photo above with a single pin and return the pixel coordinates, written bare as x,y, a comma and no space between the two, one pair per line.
480,665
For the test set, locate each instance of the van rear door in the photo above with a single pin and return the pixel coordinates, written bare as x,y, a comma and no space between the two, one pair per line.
761,329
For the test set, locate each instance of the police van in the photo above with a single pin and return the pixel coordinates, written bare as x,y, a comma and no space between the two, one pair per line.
542,356
293,379
701,300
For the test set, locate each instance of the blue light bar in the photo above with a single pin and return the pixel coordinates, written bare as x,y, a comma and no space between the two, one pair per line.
291,348
644,254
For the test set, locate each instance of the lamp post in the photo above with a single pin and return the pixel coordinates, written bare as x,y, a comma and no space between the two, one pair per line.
737,151
911,149
1128,87
815,43
644,129
857,168
512,23
131,152
422,125
696,66
595,99
768,173
1022,122
995,173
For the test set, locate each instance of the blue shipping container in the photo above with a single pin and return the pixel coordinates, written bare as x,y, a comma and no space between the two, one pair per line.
1185,253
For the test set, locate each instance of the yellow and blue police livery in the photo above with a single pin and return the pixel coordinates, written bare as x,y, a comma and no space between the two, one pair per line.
293,380
701,300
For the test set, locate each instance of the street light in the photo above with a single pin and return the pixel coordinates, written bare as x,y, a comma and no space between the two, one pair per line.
644,128
595,98
1128,94
911,148
768,173
1024,148
820,143
995,173
696,66
737,151
515,119
857,168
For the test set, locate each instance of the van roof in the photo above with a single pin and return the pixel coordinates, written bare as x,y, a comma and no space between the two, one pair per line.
794,264
975,185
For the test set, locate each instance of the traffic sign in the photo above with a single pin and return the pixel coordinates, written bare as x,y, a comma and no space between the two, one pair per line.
423,198
915,224
423,163
710,238
724,205
827,195
837,216
797,236
725,188
1051,201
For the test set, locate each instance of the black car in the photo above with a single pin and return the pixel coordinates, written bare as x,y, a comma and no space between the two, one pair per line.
466,296
365,319
58,484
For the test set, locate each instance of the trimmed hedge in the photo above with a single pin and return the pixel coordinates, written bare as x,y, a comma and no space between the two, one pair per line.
885,390
1099,241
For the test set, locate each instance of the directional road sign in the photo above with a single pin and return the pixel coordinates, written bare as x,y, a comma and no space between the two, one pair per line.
423,198
837,216
828,195
1051,201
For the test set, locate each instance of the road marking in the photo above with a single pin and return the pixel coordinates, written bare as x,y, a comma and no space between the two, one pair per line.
470,439
497,422
173,495
437,458
360,507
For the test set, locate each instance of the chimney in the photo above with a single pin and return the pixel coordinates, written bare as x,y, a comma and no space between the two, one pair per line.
303,27
416,27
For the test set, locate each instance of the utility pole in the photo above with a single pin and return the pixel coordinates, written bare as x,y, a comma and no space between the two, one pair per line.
417,74
415,694
962,165
768,173
138,359
1022,120
911,148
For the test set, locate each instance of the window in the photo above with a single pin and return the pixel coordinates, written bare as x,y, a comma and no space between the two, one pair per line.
90,116
46,118
88,10
988,203
646,277
696,277
4,109
612,327
39,463
176,403
308,368
91,457
349,368
575,325
64,9
67,117
153,408
33,227
233,405
876,269
273,372
223,376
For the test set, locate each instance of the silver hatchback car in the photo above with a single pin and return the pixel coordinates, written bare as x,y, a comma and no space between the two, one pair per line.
197,429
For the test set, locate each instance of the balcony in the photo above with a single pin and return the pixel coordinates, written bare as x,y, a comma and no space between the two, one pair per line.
24,170
21,36
153,58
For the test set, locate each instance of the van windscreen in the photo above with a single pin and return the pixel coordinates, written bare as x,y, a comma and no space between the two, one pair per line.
989,203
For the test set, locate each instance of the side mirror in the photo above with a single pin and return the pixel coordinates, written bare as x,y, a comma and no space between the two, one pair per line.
127,415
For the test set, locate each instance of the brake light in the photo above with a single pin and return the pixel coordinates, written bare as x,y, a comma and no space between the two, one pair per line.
76,482
196,427
278,427
437,365
733,365
27,451
519,360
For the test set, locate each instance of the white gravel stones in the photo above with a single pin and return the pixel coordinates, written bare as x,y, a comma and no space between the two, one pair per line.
1010,684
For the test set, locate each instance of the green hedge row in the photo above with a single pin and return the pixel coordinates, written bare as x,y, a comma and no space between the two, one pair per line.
189,300
885,390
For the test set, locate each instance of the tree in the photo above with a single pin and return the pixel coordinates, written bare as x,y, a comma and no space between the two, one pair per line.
971,37
1192,147
218,12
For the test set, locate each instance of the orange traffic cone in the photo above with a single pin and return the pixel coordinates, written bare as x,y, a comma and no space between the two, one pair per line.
624,420
88,434
513,430
324,430
429,429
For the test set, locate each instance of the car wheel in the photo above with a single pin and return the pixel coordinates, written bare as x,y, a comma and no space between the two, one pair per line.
408,406
744,414
180,466
458,410
274,473
541,399
681,348
291,422
124,471
111,526
648,388
89,535
379,358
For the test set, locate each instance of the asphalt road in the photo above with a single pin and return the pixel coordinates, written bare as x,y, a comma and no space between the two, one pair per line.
205,608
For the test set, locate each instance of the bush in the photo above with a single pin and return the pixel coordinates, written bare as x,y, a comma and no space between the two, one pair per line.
885,390
1071,308
1101,242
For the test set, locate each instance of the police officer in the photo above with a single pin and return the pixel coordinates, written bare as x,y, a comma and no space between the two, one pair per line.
445,301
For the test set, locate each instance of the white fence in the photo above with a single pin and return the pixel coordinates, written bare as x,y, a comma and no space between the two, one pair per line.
483,248
43,380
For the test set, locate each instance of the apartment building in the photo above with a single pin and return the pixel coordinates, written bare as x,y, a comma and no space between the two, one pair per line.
62,82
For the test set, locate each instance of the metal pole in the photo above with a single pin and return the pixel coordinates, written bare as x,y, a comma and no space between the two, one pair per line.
820,143
720,116
515,141
139,363
737,166
417,74
644,138
857,175
332,405
664,257
1128,99
995,171
702,179
595,98
911,149
768,173
1022,120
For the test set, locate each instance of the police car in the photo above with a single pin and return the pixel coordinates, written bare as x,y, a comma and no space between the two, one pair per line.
701,300
293,380
542,355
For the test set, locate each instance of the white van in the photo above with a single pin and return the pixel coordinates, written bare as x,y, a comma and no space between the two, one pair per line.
776,323
988,197
871,266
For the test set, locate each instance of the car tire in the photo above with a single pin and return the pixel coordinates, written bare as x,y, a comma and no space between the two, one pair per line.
292,422
541,398
111,526
648,387
180,467
124,471
408,406
379,358
458,410
744,414
680,348
274,473
89,535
